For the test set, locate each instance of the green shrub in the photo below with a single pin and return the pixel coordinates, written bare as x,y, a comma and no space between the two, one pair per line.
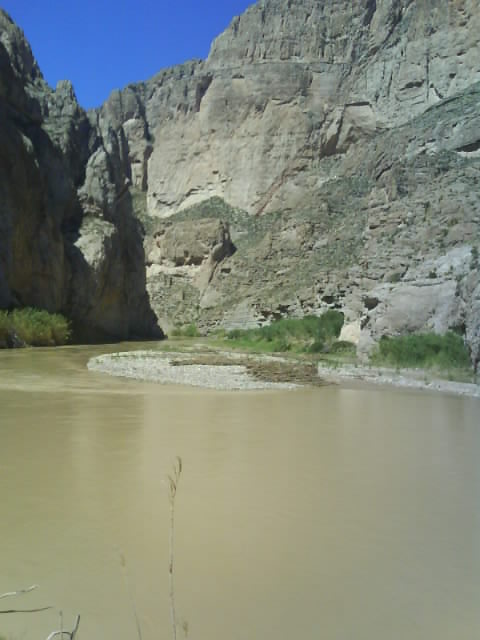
310,333
331,324
343,347
317,346
4,328
219,332
423,350
191,331
34,327
187,331
281,345
235,334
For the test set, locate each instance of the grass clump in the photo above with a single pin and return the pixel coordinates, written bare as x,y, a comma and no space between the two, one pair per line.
343,347
310,334
188,331
426,350
33,327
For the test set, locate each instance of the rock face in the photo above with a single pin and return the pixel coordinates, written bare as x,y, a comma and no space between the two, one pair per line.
289,84
334,145
340,142
68,241
182,261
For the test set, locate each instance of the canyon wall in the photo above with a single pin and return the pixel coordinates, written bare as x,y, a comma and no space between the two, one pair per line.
325,155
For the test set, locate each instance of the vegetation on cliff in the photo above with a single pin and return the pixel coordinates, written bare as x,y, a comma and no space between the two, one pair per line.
33,327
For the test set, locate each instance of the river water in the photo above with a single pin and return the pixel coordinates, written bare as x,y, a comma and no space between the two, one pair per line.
326,513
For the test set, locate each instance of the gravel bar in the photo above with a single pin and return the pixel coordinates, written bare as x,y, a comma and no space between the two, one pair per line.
153,366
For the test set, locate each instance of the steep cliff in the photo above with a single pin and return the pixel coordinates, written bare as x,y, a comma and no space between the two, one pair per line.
66,244
288,84
326,154
340,141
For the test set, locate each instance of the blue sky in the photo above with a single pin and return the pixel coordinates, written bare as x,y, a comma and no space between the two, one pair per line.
101,45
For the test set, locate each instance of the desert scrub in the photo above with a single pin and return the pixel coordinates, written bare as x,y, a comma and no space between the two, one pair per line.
427,350
311,334
33,327
188,331
343,347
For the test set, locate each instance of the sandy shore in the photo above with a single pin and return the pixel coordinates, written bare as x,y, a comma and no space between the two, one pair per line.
411,379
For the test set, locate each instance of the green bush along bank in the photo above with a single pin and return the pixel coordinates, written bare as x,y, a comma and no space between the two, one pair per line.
33,327
425,350
311,334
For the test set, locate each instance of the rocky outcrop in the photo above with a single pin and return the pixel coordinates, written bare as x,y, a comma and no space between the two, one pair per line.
68,241
182,262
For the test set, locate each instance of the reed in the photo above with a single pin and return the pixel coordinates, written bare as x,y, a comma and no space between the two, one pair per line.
172,492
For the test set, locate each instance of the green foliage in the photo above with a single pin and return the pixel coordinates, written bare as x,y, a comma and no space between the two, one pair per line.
34,327
310,334
188,331
4,328
426,350
317,346
343,347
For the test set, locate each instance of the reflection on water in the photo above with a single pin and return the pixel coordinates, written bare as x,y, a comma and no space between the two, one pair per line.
325,513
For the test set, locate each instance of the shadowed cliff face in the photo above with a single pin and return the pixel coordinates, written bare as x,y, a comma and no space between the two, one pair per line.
335,143
62,247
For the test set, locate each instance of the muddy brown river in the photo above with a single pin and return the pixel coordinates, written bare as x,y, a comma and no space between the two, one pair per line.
327,513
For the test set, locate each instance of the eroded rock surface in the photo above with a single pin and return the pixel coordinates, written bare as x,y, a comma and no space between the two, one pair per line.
182,261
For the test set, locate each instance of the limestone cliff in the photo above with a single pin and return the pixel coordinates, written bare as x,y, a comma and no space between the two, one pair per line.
66,244
340,140
326,154
287,85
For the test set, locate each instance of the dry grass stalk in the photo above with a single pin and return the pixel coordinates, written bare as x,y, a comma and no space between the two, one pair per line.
123,563
173,484
20,592
61,633
11,594
70,634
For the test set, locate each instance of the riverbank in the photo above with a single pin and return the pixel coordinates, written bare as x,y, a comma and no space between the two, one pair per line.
226,370
420,379
32,327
